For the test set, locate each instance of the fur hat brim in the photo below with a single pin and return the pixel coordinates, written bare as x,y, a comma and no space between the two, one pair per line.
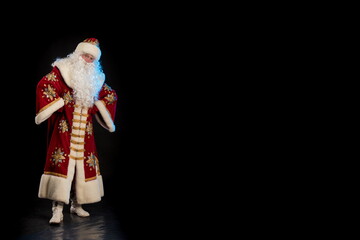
89,48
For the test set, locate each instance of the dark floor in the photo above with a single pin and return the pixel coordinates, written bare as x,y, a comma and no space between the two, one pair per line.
102,224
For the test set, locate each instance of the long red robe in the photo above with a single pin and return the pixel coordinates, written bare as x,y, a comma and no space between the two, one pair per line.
72,156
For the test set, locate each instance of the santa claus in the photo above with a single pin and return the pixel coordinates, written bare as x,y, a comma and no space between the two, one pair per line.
68,98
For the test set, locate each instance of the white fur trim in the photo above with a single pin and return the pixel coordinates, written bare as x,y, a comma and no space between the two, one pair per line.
101,185
58,188
89,48
65,73
86,192
47,112
54,188
105,119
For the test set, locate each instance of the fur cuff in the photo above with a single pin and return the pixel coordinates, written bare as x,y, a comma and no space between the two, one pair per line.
105,119
48,110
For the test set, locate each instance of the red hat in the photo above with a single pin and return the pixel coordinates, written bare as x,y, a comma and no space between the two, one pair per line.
91,46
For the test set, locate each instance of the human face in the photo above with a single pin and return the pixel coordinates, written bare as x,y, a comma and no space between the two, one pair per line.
88,57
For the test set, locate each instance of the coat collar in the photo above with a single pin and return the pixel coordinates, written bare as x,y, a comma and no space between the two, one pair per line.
65,73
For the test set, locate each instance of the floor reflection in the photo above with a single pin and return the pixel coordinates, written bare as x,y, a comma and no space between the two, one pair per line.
102,224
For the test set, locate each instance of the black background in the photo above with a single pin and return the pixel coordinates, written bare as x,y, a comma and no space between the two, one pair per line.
150,163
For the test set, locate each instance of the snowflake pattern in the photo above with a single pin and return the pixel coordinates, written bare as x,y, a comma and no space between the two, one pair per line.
49,92
111,98
68,98
51,77
92,161
58,157
89,129
107,88
63,126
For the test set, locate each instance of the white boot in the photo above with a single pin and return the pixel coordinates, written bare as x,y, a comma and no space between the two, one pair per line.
57,209
77,209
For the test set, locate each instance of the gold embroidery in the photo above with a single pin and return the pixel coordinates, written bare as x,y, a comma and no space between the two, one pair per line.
77,158
110,98
107,88
79,121
89,179
76,135
93,41
68,98
49,92
63,126
76,113
57,156
75,142
49,105
51,77
89,129
78,128
93,163
80,114
55,174
77,150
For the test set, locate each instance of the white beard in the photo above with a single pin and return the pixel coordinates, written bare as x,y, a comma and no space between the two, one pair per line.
86,78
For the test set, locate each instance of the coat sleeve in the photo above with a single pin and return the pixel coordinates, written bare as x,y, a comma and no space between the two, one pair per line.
48,99
105,107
